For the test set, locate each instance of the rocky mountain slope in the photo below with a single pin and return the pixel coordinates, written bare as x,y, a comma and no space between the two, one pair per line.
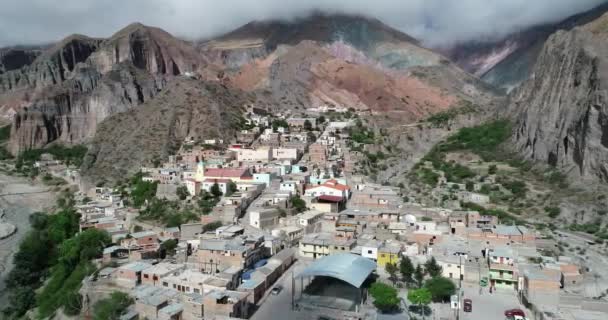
77,83
13,58
343,61
507,62
561,111
184,108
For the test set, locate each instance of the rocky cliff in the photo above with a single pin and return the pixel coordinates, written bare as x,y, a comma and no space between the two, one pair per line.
185,108
561,111
16,58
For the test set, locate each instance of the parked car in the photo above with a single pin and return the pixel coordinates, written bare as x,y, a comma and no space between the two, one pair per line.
514,312
276,290
468,305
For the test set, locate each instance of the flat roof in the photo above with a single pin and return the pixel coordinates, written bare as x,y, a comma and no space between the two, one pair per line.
347,267
136,266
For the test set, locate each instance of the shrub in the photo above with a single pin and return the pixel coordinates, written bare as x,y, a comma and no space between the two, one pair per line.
385,297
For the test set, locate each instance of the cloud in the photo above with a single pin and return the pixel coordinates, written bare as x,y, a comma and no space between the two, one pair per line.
436,22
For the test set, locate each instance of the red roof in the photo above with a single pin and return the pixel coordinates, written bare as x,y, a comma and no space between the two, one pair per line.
227,173
334,185
217,180
330,198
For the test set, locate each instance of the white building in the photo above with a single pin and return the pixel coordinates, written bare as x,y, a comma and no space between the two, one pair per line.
264,218
477,198
222,184
254,155
329,188
370,249
285,153
451,267
289,186
193,186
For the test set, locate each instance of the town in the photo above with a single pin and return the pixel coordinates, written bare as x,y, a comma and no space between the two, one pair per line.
279,224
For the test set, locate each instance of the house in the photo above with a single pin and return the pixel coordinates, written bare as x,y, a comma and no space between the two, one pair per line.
300,123
264,218
318,245
187,281
193,307
539,287
290,186
388,253
370,249
261,154
503,273
291,235
452,266
149,301
146,240
318,153
193,186
330,188
473,197
285,154
309,220
153,275
130,275
225,303
241,252
223,184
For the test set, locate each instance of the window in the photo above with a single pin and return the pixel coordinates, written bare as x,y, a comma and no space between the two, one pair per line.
383,255
165,284
369,251
146,276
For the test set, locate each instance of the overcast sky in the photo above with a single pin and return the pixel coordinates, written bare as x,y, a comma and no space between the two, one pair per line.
435,22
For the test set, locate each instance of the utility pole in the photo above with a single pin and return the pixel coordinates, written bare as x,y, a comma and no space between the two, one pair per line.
459,286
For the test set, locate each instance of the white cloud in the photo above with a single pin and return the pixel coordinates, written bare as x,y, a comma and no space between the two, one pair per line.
433,21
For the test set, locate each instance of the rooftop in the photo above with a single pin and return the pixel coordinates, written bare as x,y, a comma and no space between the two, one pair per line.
143,234
349,268
164,268
136,266
172,309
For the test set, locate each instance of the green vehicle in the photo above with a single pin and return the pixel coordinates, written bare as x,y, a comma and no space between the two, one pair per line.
483,282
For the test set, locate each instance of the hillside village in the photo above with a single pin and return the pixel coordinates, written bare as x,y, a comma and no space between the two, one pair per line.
279,223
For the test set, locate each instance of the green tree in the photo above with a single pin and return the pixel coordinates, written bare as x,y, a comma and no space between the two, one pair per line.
182,192
419,275
231,188
433,268
392,270
385,297
215,190
441,288
406,268
112,307
298,203
492,169
307,125
470,186
211,226
169,246
321,119
420,297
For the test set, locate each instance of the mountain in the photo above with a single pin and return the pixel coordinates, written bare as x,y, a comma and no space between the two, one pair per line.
561,111
74,85
14,58
507,62
184,108
345,61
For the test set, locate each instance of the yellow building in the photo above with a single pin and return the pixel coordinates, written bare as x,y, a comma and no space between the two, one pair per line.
388,254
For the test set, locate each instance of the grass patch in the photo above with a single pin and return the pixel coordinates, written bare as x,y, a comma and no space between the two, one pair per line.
442,118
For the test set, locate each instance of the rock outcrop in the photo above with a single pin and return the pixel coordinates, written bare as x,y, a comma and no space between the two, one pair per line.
155,130
561,111
16,58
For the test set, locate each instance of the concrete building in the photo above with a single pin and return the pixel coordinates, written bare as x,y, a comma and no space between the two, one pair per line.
130,275
226,303
330,188
153,275
214,255
264,218
261,154
285,154
318,245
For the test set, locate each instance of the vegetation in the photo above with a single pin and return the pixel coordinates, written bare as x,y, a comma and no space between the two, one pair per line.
392,270
167,212
279,123
307,125
206,202
503,216
406,268
141,191
385,297
432,268
70,155
553,211
442,118
360,134
182,192
298,203
419,275
231,188
420,297
441,288
211,226
5,133
112,307
215,190
169,246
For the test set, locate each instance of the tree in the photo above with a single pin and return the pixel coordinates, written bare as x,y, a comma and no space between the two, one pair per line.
321,119
433,268
298,203
182,192
407,270
441,288
169,246
420,297
113,307
231,188
215,190
492,169
307,125
385,297
470,186
212,226
391,269
419,275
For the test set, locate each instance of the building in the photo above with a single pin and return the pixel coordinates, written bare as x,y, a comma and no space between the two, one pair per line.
187,281
318,245
300,123
389,253
145,240
330,188
130,275
452,266
233,174
223,185
370,248
153,275
539,287
285,154
264,218
262,154
318,153
214,255
503,273
225,303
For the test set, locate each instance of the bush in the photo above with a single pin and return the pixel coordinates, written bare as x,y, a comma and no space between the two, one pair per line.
385,297
113,307
553,211
212,226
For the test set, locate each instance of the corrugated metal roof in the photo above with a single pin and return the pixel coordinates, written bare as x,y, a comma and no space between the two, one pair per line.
347,267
